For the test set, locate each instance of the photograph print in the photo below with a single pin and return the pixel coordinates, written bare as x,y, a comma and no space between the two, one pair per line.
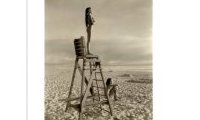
98,60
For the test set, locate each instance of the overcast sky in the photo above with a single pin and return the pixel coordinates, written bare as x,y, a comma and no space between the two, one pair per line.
122,33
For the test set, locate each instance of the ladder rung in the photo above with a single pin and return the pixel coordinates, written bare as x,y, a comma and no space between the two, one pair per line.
100,95
93,68
90,69
93,60
96,95
97,79
91,56
98,71
96,103
98,87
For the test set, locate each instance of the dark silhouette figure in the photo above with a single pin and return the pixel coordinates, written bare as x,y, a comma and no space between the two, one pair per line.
89,21
111,88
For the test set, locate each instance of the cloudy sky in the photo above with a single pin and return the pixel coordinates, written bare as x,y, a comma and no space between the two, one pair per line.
122,33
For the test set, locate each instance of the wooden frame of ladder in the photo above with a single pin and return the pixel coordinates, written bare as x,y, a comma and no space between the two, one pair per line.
94,65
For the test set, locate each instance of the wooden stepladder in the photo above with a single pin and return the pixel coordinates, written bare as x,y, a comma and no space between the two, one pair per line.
95,91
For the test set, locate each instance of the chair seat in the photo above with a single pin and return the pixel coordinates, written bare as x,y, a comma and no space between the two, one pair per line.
88,56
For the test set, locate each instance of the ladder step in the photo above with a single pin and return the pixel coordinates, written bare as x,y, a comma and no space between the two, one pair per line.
93,60
98,71
92,56
96,95
98,87
98,79
97,103
90,69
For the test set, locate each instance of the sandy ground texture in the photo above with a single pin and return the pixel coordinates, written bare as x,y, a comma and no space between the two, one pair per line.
134,94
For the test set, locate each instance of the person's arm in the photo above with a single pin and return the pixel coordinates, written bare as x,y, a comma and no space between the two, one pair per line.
91,20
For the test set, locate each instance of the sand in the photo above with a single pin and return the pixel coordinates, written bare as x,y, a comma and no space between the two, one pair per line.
134,94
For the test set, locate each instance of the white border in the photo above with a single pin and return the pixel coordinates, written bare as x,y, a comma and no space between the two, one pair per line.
176,60
13,60
36,59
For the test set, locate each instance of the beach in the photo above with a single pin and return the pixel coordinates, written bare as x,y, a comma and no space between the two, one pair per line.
134,92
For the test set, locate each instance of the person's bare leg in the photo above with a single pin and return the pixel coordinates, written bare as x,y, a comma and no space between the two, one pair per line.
88,39
115,93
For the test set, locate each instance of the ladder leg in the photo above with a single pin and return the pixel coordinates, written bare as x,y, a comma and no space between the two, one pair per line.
80,114
82,87
86,80
90,67
80,71
105,91
72,83
91,89
98,90
87,90
83,77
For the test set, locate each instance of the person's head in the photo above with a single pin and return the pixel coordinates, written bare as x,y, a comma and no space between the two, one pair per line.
88,10
109,81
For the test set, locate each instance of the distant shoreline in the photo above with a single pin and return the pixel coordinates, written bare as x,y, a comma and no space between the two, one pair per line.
106,67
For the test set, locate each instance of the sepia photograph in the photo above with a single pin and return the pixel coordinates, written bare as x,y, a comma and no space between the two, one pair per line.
98,60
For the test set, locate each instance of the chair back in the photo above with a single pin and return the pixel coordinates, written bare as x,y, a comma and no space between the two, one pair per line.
79,45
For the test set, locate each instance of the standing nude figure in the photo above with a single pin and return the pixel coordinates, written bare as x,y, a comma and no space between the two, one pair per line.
89,21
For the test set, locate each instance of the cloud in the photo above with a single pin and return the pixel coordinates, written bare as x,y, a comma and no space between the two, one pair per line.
122,32
112,51
65,18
